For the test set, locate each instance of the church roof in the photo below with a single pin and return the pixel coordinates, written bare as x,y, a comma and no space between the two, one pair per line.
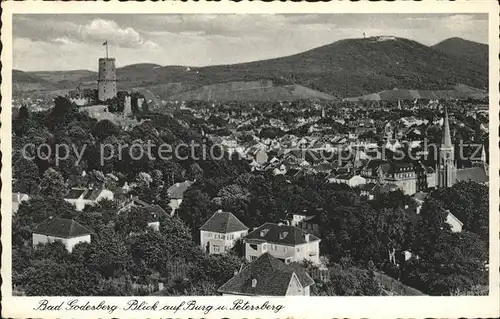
476,174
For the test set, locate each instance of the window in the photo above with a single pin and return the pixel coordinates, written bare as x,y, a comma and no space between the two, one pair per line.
252,258
298,250
209,235
284,249
216,248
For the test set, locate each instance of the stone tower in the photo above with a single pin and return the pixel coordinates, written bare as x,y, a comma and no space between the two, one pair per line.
447,171
127,109
107,79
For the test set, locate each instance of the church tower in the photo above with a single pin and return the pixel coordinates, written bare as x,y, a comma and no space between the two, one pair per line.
447,171
106,83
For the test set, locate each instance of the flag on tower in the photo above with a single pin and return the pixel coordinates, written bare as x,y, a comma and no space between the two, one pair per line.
105,42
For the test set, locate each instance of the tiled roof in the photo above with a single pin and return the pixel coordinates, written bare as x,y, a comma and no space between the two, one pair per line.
17,197
344,176
374,163
476,174
61,227
271,277
388,187
223,222
177,190
420,196
92,194
280,234
312,219
368,186
75,193
156,212
398,167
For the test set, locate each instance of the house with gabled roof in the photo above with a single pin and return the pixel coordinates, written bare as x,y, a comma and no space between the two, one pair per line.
176,194
267,276
68,231
220,232
285,242
17,199
156,212
306,222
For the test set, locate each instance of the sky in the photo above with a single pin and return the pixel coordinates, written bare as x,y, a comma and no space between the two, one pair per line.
71,42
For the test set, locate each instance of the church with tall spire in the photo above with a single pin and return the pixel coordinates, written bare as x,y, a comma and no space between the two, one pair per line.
446,169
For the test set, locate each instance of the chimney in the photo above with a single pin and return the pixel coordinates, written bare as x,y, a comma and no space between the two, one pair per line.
254,283
235,272
306,236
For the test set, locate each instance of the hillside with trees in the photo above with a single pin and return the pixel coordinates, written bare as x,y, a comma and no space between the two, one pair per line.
464,49
350,67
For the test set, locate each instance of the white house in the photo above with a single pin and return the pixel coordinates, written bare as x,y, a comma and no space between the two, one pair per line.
267,276
308,223
287,243
351,180
17,199
81,197
65,230
221,232
455,224
176,193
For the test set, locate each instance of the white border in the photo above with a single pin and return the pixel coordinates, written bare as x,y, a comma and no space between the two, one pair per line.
295,307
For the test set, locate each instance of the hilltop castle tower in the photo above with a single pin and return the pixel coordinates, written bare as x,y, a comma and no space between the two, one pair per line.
106,83
447,171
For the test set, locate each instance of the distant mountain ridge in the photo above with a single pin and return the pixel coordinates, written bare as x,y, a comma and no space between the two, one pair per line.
469,50
350,67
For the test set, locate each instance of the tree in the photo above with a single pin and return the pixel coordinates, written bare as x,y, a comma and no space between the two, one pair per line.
55,251
469,202
49,278
195,210
37,209
216,268
26,175
104,128
348,282
149,248
134,221
52,184
109,254
175,227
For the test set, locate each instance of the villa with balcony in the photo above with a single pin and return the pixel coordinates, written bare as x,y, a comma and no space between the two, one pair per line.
286,243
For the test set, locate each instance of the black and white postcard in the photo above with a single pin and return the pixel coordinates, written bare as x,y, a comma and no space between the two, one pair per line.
185,160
